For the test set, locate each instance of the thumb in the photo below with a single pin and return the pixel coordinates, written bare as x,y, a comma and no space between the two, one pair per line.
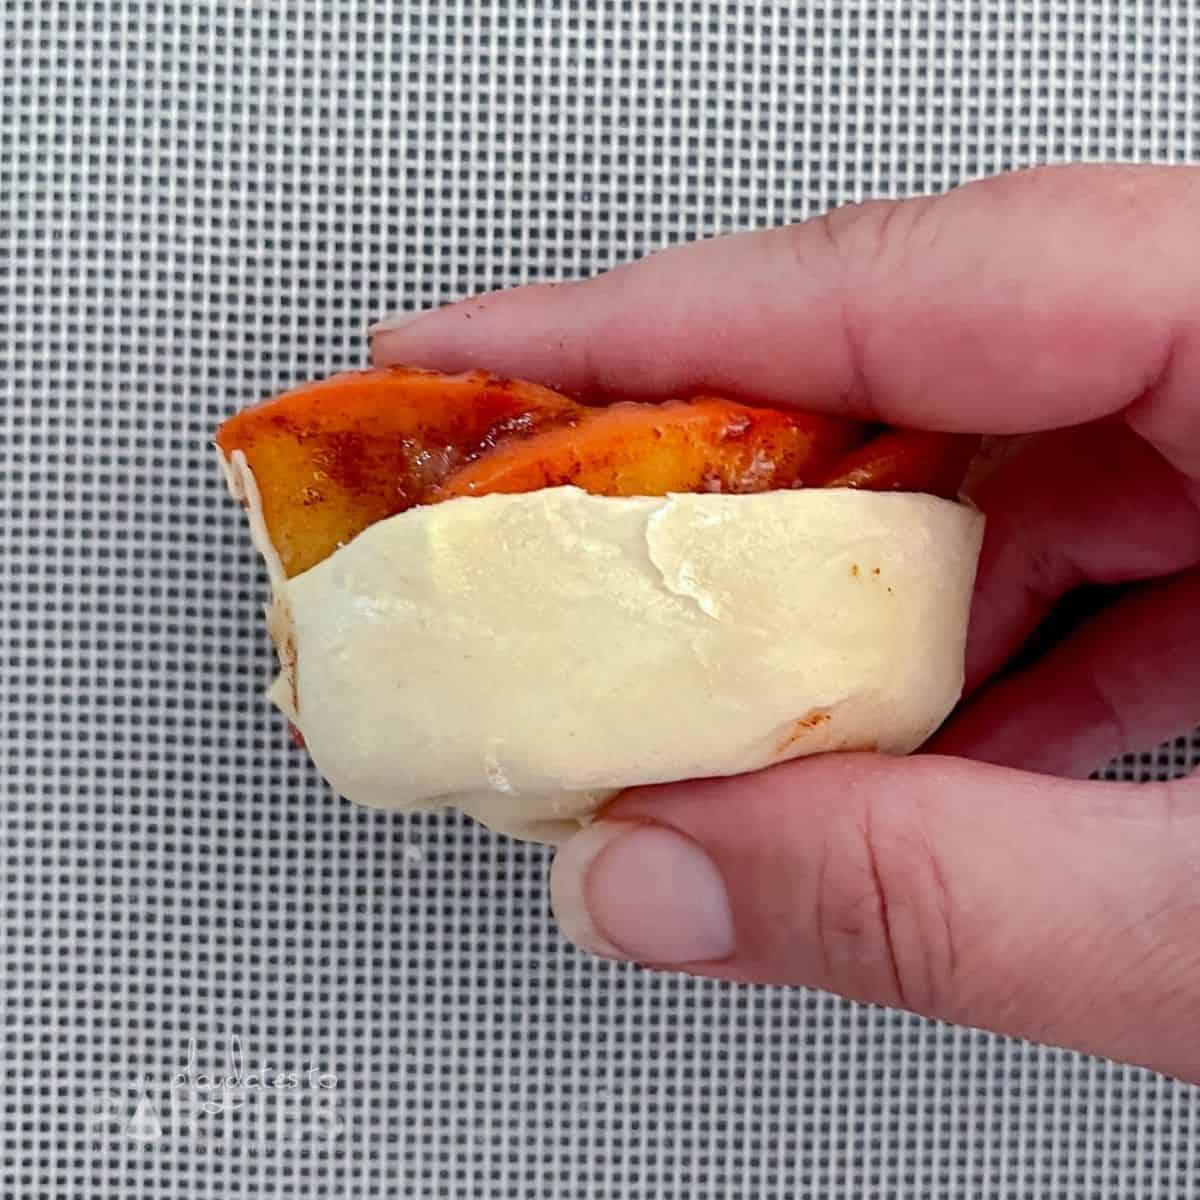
1046,908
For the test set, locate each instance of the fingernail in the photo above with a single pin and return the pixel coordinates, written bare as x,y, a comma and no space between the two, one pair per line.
641,892
396,321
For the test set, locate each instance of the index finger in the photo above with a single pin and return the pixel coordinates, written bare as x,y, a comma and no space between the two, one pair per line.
1024,302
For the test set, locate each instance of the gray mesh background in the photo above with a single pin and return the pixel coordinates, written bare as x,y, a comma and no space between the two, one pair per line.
203,202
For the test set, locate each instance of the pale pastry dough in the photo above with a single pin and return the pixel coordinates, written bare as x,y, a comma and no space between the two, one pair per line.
524,657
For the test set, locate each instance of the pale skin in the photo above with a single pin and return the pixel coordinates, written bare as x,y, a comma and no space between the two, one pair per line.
985,882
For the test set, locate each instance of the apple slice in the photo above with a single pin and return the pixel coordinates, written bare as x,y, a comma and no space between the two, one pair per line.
701,445
333,457
907,460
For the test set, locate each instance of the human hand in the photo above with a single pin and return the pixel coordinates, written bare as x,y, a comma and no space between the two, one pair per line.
1019,900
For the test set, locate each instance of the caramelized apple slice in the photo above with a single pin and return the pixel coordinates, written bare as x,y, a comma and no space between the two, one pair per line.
333,457
905,460
701,445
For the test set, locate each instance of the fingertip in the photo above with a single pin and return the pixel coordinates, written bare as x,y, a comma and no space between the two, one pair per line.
569,886
525,332
396,320
644,892
424,338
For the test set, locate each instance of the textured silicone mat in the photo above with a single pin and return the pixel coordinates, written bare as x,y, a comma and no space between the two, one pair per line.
203,202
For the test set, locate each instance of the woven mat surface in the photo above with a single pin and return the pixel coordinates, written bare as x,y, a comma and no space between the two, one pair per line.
204,202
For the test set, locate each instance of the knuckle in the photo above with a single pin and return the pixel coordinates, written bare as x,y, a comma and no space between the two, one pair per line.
856,251
883,911
878,235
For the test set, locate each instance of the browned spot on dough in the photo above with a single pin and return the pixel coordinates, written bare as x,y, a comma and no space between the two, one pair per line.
801,726
874,570
854,569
